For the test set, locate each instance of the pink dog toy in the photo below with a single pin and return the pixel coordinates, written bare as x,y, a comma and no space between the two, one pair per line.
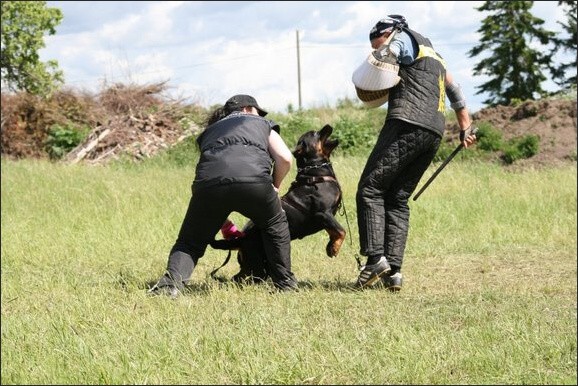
230,231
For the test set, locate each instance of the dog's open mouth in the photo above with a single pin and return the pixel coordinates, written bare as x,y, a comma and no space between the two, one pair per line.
314,144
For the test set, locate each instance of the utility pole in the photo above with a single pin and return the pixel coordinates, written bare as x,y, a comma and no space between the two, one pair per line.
298,70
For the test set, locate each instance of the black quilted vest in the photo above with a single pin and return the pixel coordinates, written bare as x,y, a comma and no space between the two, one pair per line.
419,97
234,149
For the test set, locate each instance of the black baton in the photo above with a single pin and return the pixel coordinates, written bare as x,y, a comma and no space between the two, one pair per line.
442,166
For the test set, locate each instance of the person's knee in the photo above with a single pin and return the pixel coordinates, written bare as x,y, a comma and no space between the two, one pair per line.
278,221
397,201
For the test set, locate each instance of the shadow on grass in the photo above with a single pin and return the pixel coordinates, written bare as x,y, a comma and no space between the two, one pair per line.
220,282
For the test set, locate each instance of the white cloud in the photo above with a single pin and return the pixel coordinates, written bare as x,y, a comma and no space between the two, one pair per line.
210,50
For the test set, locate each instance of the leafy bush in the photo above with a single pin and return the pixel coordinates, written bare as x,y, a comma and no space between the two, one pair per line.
295,124
489,139
354,136
62,139
183,154
444,151
519,148
355,126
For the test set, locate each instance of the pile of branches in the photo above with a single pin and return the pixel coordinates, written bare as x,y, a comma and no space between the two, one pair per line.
122,121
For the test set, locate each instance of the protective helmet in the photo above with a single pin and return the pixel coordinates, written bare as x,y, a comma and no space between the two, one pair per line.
390,21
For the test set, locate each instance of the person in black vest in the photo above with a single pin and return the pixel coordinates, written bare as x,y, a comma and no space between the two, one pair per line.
406,146
242,163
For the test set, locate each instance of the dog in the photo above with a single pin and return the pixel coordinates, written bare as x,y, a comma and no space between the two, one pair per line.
310,204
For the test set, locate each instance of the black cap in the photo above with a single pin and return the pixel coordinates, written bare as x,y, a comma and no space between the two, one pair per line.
237,102
383,25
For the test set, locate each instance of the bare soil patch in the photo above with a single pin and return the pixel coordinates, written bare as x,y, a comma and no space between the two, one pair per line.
552,120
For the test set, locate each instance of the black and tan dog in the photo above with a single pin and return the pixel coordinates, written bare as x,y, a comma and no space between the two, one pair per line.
310,204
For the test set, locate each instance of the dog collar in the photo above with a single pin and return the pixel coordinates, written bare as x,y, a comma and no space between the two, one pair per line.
313,167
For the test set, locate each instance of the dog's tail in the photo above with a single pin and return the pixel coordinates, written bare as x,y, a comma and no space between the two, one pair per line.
227,245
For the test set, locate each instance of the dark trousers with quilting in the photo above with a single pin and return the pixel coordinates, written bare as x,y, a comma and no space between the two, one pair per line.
399,159
208,209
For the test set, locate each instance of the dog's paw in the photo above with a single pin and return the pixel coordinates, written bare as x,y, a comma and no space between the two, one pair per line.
331,249
334,246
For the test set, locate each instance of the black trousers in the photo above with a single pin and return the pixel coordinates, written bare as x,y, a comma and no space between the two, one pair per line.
399,159
208,209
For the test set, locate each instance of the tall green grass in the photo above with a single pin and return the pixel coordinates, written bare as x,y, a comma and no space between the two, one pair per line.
489,294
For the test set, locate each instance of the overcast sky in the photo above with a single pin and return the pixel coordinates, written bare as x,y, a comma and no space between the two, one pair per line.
209,51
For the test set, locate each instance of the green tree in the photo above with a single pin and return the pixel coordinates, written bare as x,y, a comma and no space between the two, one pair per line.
515,70
567,44
24,24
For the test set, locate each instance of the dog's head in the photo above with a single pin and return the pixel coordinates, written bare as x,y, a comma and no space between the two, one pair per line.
314,147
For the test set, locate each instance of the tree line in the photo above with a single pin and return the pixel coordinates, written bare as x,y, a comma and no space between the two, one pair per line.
514,69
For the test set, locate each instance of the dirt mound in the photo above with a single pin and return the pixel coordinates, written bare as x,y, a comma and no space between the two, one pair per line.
552,120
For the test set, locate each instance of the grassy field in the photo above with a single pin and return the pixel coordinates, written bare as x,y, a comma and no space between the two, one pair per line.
489,294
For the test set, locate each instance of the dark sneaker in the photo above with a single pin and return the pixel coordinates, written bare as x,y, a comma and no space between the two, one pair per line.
286,286
371,273
168,290
393,282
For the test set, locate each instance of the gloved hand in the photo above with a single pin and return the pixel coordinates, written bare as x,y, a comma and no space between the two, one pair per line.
464,134
383,54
